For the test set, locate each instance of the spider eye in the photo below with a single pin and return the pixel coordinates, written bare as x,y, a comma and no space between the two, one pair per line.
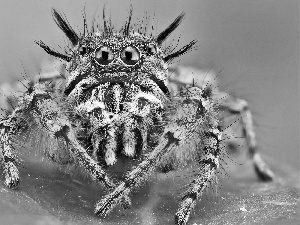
151,49
130,55
82,50
103,55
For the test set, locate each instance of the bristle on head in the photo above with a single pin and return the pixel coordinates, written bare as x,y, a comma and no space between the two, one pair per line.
104,21
163,35
127,24
180,52
107,24
64,25
52,52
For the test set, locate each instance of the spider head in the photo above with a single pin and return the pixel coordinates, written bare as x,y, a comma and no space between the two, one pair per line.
125,57
118,59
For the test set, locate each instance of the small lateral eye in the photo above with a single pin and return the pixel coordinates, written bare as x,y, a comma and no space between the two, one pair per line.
103,55
82,50
130,55
151,49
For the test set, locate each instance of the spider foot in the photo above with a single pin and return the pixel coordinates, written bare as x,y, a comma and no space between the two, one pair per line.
184,211
12,179
126,202
118,196
262,170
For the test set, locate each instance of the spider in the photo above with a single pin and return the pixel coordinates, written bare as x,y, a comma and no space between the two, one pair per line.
117,103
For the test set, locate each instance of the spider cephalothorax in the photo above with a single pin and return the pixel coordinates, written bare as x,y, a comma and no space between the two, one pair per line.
116,101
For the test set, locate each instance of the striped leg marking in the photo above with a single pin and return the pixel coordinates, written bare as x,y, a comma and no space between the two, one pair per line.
209,163
240,107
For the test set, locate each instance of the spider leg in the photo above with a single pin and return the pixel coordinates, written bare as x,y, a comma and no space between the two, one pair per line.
134,178
48,115
9,162
11,172
189,121
209,163
240,107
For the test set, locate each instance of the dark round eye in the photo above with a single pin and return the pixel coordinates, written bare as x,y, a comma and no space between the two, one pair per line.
130,55
82,50
151,49
103,55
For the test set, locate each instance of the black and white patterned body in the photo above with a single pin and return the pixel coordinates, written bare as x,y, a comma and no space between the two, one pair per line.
116,102
118,82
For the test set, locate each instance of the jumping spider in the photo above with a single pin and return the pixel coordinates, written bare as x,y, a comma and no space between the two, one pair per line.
117,103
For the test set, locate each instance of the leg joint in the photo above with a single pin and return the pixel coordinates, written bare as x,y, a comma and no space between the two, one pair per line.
211,160
9,159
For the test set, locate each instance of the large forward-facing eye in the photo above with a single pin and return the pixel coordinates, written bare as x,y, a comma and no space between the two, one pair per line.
130,55
103,55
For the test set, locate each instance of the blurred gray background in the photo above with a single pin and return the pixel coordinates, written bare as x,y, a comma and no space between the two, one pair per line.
252,45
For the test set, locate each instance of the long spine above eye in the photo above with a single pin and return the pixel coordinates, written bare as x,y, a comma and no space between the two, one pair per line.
64,25
127,24
53,52
166,33
163,35
180,52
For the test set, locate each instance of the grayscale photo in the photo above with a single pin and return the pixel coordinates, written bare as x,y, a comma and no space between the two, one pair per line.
149,112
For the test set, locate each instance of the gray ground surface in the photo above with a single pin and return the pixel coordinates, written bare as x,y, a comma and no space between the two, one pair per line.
47,196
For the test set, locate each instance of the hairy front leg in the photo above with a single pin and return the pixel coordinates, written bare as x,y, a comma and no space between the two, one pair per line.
13,125
209,163
10,170
48,114
9,162
190,118
134,178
